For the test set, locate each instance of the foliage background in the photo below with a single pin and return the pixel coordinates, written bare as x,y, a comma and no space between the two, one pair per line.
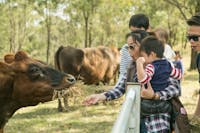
41,26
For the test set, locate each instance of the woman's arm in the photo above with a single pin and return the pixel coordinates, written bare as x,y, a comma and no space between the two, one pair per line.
114,93
118,90
173,90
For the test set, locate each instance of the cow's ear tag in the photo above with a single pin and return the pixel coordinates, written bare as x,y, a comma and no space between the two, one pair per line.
20,55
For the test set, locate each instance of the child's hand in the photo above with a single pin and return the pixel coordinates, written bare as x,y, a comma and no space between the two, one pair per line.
140,60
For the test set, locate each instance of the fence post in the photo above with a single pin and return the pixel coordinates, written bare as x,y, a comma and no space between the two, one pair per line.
128,120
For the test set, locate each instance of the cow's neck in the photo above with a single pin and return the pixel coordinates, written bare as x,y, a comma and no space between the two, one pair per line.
6,112
7,105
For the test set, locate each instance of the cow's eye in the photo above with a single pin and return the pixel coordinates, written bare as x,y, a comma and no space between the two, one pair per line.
34,69
35,72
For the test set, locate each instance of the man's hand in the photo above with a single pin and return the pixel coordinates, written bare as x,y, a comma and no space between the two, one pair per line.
93,99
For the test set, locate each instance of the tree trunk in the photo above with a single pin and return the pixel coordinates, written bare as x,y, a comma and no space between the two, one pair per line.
90,37
193,60
86,32
86,18
48,28
12,32
197,112
48,41
22,27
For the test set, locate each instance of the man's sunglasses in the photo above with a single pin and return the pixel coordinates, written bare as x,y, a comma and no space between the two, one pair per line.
193,37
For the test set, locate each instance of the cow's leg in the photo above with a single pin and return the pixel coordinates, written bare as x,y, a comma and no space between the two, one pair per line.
60,108
65,100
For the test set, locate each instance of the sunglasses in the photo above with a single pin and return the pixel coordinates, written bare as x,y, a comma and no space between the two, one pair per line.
132,47
193,37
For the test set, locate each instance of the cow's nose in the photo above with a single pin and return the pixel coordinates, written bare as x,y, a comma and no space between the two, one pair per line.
71,79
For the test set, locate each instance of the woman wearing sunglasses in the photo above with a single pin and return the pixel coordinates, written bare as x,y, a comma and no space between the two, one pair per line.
157,123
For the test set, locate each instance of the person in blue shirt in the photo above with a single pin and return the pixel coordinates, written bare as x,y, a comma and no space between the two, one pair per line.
178,62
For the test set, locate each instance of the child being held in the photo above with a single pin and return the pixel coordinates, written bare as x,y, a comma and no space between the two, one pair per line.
157,69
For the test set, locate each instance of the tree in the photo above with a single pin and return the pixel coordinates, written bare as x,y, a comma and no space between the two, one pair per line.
190,7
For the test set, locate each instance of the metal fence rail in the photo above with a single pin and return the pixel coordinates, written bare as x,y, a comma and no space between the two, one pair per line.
128,120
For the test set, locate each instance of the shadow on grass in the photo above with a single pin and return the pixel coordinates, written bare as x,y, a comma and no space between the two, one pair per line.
64,127
91,127
54,111
36,112
190,77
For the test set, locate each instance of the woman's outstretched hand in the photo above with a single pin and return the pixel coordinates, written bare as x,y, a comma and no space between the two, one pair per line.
93,99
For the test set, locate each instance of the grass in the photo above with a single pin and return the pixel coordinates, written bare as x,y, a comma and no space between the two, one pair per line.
44,118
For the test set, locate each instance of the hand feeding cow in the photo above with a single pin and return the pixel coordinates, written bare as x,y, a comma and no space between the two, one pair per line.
92,65
27,82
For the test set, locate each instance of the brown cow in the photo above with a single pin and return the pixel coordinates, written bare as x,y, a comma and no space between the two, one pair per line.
91,64
26,82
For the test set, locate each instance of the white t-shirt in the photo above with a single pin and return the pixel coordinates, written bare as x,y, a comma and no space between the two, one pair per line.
169,53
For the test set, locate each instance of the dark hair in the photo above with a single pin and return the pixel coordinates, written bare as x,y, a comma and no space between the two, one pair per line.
194,20
137,35
152,44
139,21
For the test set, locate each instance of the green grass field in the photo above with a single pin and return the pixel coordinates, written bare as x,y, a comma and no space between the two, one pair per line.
44,118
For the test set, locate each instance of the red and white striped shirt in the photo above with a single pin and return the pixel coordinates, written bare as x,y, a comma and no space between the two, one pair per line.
150,70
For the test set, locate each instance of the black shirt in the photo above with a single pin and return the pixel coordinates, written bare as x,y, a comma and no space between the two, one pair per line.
198,64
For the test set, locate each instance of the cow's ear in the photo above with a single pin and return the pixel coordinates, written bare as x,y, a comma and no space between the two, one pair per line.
9,58
80,55
5,68
20,55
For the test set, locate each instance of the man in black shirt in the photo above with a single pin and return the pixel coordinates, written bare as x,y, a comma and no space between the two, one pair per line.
193,36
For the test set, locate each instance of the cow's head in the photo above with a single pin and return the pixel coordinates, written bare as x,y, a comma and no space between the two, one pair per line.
32,81
25,82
